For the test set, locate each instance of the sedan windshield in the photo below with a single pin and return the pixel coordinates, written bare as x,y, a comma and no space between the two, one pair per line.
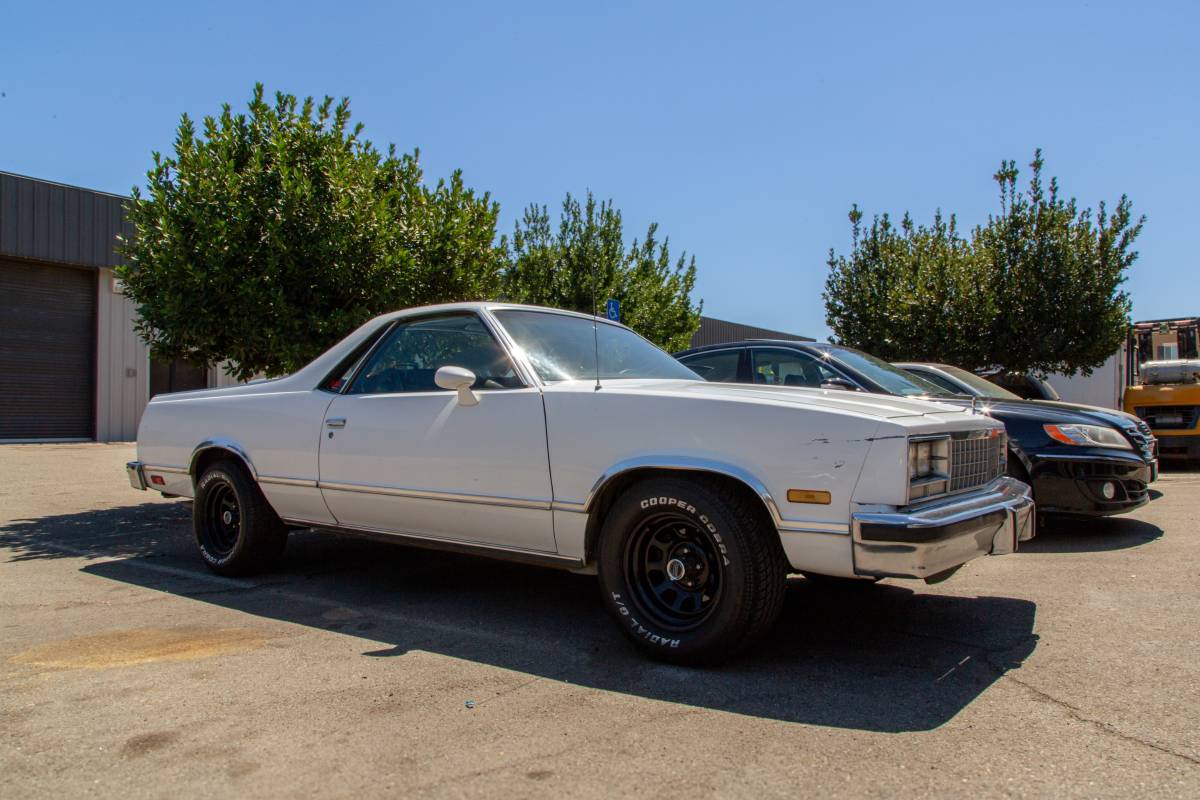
892,380
563,348
981,387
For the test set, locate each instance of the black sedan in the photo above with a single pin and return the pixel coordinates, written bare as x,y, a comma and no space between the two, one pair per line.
1080,460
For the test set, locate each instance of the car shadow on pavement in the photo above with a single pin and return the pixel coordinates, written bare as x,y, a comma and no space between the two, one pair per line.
1091,535
876,658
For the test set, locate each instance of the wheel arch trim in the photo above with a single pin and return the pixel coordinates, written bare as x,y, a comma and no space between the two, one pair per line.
220,444
702,465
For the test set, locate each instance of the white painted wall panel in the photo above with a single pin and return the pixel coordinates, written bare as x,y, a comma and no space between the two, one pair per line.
1104,387
122,364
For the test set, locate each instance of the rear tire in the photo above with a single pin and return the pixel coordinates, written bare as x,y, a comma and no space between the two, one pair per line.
236,529
690,570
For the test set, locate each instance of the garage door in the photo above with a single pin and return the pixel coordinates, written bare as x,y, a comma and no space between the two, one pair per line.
47,351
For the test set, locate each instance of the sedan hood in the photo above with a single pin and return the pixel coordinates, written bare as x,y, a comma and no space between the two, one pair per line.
1050,411
872,405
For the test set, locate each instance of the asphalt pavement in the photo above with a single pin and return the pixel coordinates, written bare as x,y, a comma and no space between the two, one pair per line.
1070,669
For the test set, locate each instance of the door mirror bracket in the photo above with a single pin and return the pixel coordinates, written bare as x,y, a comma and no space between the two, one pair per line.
457,379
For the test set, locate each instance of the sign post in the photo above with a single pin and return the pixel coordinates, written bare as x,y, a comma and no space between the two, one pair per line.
613,310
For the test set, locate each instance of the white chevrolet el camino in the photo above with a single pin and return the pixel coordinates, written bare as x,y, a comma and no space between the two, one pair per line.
488,428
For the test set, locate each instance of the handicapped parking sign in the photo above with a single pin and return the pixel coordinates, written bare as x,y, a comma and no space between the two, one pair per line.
613,310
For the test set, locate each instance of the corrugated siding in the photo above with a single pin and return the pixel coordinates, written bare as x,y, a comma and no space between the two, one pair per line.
123,365
719,331
63,224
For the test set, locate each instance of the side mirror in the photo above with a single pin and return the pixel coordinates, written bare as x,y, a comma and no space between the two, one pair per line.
840,384
457,379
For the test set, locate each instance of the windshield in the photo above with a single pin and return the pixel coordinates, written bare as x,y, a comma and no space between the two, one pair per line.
892,380
563,348
981,386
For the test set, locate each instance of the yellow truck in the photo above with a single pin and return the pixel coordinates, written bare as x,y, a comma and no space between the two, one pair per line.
1167,392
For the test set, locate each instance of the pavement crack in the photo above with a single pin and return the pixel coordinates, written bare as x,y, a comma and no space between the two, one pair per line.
1104,727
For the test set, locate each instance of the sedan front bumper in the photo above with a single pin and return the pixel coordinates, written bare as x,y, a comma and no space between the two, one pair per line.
1071,484
935,538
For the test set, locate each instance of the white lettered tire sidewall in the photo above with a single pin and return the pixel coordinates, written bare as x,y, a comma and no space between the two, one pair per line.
731,526
262,536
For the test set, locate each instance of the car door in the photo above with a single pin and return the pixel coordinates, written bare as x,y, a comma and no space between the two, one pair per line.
398,454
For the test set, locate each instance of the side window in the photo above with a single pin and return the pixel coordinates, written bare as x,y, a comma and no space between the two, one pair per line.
779,367
342,373
414,351
721,366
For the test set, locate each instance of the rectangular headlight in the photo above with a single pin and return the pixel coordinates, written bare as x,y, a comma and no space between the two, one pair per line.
928,467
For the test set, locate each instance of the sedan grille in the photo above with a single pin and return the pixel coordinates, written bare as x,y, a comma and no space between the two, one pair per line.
975,461
1142,437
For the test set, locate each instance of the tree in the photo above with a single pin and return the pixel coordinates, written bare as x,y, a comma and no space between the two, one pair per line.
1035,288
274,233
585,259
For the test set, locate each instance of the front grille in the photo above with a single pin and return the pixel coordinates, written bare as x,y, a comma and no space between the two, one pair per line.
1178,418
975,461
1143,439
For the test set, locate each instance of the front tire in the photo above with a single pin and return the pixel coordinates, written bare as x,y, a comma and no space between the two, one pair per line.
237,531
690,569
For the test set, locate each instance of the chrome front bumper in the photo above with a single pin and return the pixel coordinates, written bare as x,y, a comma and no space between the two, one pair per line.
934,538
137,478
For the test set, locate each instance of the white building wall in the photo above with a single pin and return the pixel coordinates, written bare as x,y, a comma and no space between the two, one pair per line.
218,378
1105,387
122,364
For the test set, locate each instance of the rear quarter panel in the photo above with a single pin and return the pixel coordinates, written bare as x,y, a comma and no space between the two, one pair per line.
278,430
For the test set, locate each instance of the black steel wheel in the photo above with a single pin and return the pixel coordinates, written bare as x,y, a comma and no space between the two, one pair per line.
691,567
236,529
222,520
674,569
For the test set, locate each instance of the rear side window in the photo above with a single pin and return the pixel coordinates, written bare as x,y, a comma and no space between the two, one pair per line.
721,366
340,375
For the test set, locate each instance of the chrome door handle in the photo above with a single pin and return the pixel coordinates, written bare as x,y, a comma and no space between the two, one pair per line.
340,422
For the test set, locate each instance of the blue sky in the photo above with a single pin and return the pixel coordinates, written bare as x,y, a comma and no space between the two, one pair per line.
746,130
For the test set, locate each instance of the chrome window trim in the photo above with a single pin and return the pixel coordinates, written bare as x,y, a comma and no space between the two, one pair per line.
488,324
379,335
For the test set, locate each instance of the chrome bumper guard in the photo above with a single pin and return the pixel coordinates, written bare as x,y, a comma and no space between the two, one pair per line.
931,539
137,479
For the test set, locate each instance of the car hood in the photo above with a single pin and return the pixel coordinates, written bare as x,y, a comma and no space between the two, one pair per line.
872,405
1055,412
1051,411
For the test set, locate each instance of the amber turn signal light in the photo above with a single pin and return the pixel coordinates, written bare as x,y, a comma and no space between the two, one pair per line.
816,496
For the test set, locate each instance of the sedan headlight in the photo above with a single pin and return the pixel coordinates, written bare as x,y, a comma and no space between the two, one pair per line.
1088,436
928,467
